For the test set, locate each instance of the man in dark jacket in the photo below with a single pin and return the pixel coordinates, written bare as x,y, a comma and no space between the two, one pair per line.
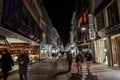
69,59
23,60
7,63
88,57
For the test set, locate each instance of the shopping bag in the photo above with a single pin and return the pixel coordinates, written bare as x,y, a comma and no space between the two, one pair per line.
79,64
75,66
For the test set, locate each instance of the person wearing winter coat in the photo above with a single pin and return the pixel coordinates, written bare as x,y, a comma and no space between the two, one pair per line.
79,61
7,63
23,60
69,60
88,57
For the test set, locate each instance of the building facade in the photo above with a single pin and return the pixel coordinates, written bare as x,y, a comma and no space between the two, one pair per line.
107,26
25,25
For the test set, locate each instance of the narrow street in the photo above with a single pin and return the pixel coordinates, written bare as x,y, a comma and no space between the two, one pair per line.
47,70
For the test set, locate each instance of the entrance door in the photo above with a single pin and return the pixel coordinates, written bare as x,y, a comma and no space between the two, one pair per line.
113,41
116,50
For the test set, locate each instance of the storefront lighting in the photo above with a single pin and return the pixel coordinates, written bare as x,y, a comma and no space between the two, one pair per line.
83,28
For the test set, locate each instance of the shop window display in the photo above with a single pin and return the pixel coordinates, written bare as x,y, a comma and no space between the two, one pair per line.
30,50
3,43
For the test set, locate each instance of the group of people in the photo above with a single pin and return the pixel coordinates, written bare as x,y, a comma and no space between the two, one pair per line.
79,60
7,63
23,59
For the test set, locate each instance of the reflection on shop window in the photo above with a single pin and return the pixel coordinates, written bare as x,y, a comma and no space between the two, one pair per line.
113,13
100,21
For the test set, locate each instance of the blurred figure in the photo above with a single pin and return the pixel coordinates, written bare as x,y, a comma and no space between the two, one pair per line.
79,61
59,55
69,60
53,57
62,53
23,60
88,57
7,63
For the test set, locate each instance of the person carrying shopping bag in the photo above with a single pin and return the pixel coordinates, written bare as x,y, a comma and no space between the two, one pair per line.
79,61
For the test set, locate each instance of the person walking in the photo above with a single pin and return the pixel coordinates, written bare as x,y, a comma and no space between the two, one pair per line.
7,63
53,57
79,61
69,60
23,60
88,57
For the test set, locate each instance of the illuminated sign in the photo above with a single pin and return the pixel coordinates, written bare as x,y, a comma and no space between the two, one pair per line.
91,26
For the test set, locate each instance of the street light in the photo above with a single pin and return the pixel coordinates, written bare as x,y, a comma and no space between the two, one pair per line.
83,30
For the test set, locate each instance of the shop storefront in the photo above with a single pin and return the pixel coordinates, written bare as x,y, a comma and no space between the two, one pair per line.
110,44
101,56
32,51
3,44
115,40
108,29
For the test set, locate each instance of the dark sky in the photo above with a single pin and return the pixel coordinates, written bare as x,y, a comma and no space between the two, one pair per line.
60,13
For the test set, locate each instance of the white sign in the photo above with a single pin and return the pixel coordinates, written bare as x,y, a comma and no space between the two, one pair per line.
91,26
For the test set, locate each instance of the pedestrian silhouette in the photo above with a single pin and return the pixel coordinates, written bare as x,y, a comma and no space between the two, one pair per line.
88,57
69,59
23,60
7,63
79,61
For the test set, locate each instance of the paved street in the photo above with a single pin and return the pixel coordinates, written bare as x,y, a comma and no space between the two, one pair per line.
47,70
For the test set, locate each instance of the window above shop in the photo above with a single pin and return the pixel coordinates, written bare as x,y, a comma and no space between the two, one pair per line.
100,21
113,13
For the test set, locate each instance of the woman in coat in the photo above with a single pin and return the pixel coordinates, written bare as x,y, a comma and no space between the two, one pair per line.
23,60
79,61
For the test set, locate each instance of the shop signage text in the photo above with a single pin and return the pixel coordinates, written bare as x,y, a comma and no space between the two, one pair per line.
112,29
91,29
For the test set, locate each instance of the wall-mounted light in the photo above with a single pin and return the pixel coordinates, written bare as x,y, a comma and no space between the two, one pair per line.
83,28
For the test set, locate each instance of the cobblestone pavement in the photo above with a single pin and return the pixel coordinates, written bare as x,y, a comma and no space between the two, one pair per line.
37,71
96,72
48,70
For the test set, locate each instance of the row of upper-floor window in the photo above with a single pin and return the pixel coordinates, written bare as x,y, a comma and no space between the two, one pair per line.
34,9
16,17
112,16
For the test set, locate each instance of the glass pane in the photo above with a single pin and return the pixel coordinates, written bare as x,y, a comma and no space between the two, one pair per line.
24,28
6,10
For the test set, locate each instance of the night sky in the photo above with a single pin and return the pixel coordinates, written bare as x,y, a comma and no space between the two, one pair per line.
60,13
